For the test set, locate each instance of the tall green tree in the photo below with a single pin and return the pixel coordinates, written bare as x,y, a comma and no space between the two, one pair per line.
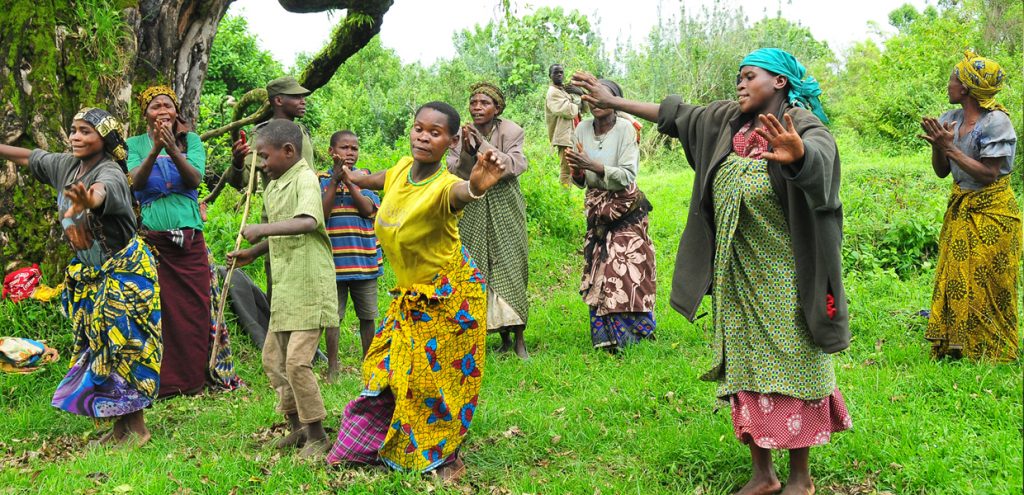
237,62
518,50
58,57
884,91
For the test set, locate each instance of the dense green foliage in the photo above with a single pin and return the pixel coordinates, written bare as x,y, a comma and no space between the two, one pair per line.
883,93
239,64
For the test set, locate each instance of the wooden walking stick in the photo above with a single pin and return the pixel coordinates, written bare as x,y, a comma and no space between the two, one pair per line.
221,326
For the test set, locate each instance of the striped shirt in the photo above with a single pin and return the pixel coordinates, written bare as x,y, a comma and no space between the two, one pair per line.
357,254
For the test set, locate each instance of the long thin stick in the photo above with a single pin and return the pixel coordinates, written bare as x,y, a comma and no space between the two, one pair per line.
231,269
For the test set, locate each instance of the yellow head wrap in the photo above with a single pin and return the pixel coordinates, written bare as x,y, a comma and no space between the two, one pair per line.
152,92
983,78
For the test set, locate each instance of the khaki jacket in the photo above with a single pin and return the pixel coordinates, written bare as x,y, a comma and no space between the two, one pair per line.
560,108
506,140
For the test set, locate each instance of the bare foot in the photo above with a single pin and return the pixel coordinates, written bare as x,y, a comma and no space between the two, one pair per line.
107,438
133,440
761,486
332,374
315,449
506,342
521,352
452,472
521,348
799,487
297,438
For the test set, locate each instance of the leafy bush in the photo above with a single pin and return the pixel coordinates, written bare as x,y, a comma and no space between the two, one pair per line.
552,212
882,94
893,215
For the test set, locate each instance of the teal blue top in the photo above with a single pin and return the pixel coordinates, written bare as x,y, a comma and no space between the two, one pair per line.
174,211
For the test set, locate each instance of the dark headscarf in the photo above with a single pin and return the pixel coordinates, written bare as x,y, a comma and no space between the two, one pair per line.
612,86
110,130
491,91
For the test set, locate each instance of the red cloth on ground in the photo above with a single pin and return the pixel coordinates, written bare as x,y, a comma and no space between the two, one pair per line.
21,283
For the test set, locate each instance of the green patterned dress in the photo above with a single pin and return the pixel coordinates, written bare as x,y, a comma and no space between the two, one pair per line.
762,343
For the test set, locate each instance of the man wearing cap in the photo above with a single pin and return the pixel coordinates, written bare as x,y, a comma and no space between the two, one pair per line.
287,101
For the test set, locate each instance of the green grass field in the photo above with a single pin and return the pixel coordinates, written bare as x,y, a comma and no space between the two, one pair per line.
574,420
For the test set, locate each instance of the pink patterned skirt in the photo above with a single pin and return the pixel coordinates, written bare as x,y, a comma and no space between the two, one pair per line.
776,421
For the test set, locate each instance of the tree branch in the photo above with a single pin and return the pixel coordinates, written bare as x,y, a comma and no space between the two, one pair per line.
254,97
308,6
258,116
361,24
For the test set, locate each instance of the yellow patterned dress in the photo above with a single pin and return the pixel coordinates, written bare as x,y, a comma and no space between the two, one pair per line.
423,371
974,301
115,311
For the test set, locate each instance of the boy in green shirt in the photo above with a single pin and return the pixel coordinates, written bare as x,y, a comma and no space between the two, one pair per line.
305,298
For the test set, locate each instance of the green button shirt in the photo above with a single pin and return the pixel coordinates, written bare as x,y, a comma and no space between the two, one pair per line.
305,295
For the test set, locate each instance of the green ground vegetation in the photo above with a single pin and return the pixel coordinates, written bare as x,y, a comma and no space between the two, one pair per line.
574,420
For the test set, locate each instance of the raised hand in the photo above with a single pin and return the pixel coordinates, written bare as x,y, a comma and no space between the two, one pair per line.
580,160
83,198
786,145
167,138
486,173
938,135
157,137
238,150
597,94
471,139
344,176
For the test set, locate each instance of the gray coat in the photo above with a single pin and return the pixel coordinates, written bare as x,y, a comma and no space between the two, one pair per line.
808,192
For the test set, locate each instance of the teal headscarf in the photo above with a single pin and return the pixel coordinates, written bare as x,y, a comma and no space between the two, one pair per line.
803,89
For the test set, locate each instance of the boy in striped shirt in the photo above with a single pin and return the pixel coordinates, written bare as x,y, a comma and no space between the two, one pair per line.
349,212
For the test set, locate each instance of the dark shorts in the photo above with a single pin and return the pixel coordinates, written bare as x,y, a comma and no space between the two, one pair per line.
364,298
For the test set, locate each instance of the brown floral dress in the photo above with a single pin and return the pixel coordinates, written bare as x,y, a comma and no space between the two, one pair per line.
619,275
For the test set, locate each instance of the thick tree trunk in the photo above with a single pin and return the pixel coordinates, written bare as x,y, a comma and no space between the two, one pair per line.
60,56
175,37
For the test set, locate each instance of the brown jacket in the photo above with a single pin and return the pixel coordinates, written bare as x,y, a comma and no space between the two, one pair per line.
808,192
506,140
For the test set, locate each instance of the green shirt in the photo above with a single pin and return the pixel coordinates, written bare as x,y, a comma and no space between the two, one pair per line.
174,211
305,295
